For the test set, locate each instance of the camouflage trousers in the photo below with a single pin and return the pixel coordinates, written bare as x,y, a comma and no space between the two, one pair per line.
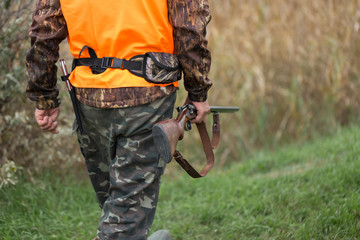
124,166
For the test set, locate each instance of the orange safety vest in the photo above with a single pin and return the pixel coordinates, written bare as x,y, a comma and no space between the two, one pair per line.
116,28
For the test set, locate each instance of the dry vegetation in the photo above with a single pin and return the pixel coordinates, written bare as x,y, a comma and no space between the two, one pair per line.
291,66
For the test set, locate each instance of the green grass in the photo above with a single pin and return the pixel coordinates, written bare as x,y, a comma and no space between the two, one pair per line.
298,192
48,208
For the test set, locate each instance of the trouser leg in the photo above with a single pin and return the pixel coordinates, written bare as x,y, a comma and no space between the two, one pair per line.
97,144
132,178
134,186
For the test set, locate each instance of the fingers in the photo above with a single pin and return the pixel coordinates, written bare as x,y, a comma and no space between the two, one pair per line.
54,113
47,124
200,117
202,110
43,122
46,119
53,128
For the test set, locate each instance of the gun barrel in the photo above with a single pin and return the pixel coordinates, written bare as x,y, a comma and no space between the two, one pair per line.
65,73
72,94
226,109
63,67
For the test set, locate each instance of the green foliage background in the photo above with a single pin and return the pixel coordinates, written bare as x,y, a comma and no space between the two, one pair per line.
21,141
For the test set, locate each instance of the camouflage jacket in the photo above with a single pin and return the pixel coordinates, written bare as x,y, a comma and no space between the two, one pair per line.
189,19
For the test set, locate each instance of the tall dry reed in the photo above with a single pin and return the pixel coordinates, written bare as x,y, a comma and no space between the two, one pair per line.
291,66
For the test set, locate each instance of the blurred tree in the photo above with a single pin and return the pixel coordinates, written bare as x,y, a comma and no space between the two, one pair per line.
14,21
21,141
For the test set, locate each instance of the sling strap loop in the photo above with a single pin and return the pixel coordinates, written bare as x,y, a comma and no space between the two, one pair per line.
65,77
208,149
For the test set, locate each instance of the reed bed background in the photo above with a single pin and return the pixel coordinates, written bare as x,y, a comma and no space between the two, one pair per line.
291,66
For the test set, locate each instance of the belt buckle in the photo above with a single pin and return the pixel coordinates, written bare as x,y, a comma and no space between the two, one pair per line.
106,62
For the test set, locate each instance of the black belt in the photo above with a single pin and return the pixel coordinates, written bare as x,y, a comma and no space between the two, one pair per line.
99,65
108,62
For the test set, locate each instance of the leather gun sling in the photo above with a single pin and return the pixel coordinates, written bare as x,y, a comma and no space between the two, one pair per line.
208,147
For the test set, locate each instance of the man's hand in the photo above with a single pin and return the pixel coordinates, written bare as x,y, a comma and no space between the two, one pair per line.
46,119
202,110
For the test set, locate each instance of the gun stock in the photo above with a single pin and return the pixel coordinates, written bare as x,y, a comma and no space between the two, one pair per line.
167,133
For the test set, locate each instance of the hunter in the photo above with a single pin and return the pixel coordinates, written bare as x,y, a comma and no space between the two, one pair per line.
128,59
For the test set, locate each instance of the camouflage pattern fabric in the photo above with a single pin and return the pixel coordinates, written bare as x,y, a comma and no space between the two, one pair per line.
162,67
124,165
47,30
189,19
121,97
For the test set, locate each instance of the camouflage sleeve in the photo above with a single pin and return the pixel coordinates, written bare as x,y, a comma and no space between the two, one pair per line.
47,30
189,19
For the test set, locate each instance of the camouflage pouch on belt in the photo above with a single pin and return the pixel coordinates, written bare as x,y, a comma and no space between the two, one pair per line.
158,67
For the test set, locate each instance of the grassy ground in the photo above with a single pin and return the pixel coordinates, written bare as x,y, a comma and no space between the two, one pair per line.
298,192
48,208
307,192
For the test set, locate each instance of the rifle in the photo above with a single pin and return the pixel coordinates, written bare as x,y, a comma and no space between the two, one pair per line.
167,133
71,90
